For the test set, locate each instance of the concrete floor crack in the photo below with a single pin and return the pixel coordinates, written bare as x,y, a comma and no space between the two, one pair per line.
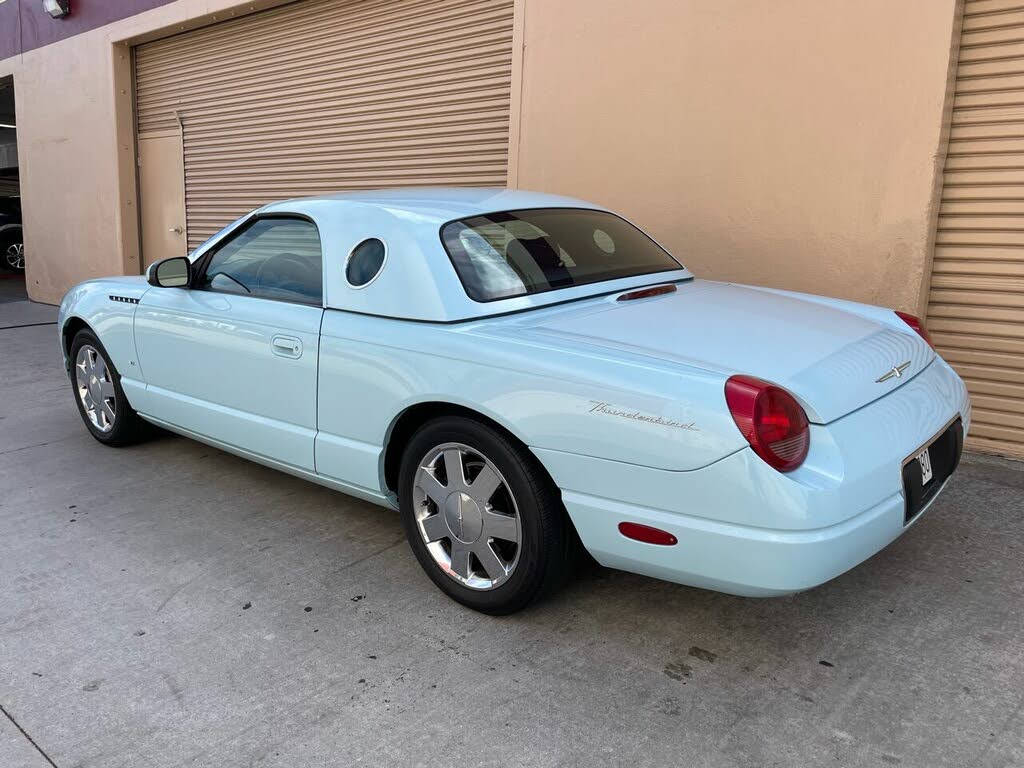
24,733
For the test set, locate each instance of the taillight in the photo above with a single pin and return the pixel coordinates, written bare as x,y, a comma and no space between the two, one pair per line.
918,326
646,293
771,420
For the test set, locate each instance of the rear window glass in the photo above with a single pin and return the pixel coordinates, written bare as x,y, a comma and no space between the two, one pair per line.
517,253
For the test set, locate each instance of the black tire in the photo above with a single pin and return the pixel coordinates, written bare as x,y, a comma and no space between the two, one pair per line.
548,546
128,427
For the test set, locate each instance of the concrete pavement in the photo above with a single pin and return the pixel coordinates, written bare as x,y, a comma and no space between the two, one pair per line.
171,605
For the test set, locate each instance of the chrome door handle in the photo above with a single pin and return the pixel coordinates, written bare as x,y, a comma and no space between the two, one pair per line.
286,346
176,230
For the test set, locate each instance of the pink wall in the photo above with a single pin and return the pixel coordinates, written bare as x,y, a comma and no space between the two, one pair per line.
24,25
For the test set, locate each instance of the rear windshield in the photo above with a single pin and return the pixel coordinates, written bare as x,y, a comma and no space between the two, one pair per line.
517,253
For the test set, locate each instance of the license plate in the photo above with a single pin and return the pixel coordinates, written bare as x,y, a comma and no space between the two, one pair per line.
925,471
924,459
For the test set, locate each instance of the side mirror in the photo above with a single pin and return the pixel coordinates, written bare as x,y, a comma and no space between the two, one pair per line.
175,272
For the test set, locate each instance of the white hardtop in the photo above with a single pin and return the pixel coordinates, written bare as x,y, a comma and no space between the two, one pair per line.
433,205
418,280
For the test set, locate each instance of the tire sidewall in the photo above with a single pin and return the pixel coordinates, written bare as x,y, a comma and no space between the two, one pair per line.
535,514
119,433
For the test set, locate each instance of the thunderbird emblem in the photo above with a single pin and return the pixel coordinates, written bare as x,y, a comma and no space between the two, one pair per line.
894,373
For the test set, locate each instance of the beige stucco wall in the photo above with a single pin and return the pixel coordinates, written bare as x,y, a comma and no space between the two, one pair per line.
67,150
793,144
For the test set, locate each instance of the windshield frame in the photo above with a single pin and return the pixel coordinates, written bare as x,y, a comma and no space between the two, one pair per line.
528,294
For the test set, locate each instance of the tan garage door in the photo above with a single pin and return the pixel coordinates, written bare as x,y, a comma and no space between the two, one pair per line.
976,312
327,95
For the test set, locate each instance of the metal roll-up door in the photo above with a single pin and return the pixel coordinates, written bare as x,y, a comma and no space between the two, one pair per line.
976,308
327,95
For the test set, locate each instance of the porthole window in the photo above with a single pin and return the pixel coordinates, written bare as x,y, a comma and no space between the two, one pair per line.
365,262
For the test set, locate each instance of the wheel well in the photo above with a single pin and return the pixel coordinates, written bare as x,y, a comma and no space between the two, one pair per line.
71,327
415,417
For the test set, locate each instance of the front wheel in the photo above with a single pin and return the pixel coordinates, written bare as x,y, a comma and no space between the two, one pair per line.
98,394
482,517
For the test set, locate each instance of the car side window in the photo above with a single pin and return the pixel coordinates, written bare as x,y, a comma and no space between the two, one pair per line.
273,258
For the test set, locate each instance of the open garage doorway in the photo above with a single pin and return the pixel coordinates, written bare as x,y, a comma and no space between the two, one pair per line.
12,245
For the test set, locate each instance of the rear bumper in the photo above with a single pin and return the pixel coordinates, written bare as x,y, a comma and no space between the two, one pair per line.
753,562
746,529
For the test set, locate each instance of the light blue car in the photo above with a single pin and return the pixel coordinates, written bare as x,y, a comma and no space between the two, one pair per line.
524,376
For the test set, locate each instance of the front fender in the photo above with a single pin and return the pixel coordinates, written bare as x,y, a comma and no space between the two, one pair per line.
107,307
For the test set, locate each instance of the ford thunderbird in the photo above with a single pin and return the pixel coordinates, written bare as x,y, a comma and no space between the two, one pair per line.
525,377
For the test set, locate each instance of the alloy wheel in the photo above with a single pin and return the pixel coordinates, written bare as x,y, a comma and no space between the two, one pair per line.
467,516
15,255
95,388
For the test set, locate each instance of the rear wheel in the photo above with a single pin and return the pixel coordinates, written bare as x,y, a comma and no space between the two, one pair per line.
101,401
482,517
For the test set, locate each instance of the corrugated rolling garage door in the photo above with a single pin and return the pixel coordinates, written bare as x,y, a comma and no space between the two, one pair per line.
976,309
327,95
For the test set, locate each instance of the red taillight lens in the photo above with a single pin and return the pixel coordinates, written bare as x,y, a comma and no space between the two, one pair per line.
646,293
771,420
917,325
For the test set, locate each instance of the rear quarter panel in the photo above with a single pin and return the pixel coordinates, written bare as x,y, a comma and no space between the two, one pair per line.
577,400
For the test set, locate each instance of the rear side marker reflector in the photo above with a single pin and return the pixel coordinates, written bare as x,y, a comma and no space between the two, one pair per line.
647,534
646,293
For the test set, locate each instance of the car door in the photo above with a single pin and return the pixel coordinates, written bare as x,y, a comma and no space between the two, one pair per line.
233,356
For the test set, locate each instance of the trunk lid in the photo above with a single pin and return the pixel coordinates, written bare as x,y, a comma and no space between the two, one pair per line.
829,358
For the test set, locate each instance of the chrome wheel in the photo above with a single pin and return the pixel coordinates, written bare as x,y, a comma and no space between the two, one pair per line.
467,516
95,387
15,255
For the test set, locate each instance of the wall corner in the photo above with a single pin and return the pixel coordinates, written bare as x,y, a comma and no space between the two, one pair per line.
127,163
942,149
515,107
